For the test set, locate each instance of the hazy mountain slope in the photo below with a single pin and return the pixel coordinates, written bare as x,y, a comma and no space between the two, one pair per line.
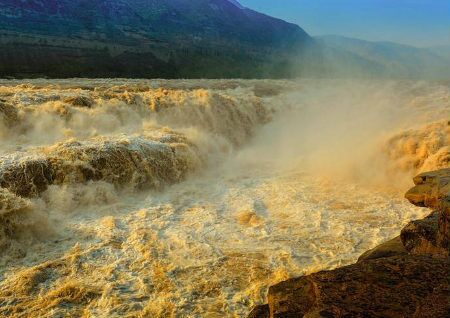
387,58
142,38
180,38
443,51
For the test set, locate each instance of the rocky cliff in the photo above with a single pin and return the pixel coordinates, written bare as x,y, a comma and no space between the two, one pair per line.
405,277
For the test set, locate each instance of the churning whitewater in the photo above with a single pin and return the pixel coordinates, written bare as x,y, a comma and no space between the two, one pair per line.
152,198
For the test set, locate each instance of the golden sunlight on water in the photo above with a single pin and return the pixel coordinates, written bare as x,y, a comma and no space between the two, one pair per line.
126,198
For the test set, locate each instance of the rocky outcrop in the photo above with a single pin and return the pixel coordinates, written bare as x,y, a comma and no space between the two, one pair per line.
384,287
432,234
432,189
405,277
390,248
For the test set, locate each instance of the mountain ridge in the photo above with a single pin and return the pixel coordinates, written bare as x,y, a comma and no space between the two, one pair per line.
237,4
166,31
188,39
390,58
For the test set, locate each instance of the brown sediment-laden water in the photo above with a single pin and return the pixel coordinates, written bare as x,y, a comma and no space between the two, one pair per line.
154,198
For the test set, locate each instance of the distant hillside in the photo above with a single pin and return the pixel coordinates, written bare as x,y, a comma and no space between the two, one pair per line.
144,38
346,55
187,39
442,51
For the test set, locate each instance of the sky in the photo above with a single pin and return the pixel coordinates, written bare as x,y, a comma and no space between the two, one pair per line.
421,23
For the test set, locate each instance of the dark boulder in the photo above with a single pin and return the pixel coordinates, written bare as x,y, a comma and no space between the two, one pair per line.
399,286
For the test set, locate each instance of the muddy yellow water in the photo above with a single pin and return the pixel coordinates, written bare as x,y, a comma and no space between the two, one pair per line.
133,198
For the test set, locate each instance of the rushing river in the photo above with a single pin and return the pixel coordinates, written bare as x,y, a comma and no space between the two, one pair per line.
134,198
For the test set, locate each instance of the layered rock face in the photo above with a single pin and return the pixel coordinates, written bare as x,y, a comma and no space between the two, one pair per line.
405,277
432,234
